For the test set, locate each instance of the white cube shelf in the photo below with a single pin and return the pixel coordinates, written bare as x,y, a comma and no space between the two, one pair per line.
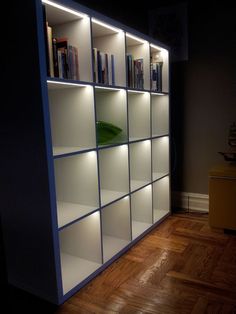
160,55
114,173
92,198
139,48
76,186
79,259
140,164
116,233
76,30
139,115
111,41
72,118
160,157
160,114
161,198
141,210
111,108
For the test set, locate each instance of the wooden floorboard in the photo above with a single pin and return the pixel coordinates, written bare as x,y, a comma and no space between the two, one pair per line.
182,266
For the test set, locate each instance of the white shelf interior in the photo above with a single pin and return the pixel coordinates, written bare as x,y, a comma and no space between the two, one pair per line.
140,50
111,41
141,208
115,227
76,186
140,164
77,31
80,246
161,198
160,115
72,118
160,157
139,115
114,178
161,54
111,107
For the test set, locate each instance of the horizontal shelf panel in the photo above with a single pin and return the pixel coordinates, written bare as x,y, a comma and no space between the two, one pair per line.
68,212
136,184
158,175
61,150
159,213
112,245
75,270
108,196
138,228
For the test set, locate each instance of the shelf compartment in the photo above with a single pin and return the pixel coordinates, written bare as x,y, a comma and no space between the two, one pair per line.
141,209
159,69
79,259
137,49
72,118
76,186
115,227
161,198
140,164
139,115
113,168
75,28
111,116
160,157
108,42
160,115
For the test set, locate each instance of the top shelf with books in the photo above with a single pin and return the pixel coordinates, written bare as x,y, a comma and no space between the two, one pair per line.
85,48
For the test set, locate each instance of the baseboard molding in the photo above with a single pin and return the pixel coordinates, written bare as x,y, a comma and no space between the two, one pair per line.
190,201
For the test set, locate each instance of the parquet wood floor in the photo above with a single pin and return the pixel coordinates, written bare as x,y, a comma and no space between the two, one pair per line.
182,266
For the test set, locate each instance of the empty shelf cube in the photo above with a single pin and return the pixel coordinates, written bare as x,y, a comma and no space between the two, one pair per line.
161,198
140,164
114,173
76,186
80,248
141,209
160,157
115,227
72,118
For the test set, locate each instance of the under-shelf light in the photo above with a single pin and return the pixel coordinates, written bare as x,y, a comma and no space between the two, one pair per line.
142,41
117,30
109,88
66,83
136,91
158,94
63,8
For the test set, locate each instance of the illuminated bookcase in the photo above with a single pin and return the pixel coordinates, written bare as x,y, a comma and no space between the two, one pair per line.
102,197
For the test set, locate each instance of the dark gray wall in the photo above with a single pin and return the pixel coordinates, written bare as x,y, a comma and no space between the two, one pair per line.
204,96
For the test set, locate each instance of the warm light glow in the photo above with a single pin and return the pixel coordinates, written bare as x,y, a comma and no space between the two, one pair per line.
158,94
108,88
66,83
117,30
91,154
136,92
61,7
142,41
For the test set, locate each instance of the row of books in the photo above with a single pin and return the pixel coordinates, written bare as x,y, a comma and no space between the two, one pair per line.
135,72
62,58
104,67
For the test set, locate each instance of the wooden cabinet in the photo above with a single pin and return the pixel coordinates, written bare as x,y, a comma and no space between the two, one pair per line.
222,196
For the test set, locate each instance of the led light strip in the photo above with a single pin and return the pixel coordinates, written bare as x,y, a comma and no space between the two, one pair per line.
109,88
136,38
66,83
61,7
117,30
